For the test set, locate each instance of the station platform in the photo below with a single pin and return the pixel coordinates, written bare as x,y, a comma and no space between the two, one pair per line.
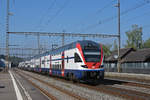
14,87
128,75
7,91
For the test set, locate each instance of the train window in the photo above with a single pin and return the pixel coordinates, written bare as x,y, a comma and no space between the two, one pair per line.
53,66
43,61
59,66
77,58
91,46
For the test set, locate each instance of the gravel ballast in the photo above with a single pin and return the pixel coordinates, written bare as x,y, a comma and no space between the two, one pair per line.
81,91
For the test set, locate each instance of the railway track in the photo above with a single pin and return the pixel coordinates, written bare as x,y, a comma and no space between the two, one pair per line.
128,82
107,86
74,96
50,96
124,93
137,85
128,79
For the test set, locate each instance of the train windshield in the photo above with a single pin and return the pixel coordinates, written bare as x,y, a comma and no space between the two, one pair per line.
92,52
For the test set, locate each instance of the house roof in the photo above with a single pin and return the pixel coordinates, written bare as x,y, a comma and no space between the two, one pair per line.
141,55
123,52
130,55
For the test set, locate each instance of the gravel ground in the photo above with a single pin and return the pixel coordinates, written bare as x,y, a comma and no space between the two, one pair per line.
134,88
81,91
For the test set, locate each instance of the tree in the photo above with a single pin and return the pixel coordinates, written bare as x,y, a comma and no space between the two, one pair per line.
115,46
106,49
134,37
146,44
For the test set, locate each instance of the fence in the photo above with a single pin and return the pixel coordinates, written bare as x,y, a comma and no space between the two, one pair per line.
141,68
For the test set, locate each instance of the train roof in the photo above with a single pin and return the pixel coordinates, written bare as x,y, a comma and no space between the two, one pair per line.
63,48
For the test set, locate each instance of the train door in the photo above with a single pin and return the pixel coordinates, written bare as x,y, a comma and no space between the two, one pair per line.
40,67
63,63
50,65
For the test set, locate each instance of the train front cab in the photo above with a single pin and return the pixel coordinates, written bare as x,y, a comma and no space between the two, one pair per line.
89,58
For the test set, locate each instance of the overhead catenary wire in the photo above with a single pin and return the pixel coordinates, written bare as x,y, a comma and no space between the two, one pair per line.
93,26
134,8
44,15
41,20
115,16
133,18
58,12
60,9
99,11
98,35
105,6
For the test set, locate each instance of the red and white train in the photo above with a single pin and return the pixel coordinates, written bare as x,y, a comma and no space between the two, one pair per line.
81,60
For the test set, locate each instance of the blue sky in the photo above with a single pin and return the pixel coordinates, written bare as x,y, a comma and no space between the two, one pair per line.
76,16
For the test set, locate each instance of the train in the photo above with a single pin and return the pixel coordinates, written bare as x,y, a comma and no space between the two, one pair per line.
80,60
2,64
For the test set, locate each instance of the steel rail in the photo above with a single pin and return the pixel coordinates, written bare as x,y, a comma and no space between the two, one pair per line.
57,88
131,83
42,90
124,93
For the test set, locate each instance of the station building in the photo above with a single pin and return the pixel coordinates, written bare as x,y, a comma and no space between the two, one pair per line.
132,61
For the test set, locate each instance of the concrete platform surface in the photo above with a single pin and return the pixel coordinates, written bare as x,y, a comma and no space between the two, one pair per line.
128,75
7,91
15,87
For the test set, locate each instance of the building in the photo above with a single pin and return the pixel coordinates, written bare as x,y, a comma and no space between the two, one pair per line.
132,61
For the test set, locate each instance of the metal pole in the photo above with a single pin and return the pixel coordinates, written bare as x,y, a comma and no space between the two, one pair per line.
63,39
7,37
119,58
38,40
